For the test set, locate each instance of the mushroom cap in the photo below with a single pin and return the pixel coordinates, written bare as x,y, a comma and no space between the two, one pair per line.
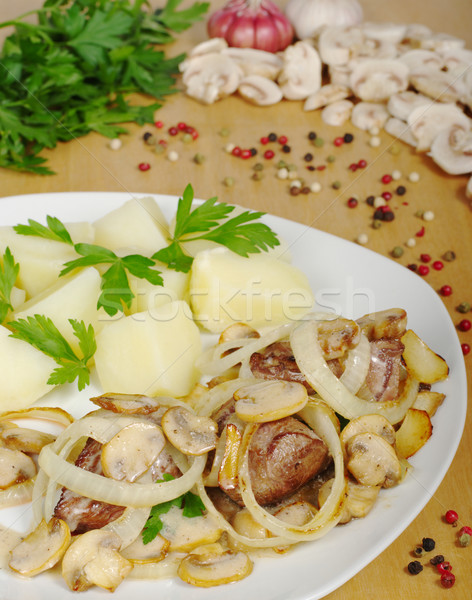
452,151
427,121
372,460
260,90
189,433
301,71
378,79
269,400
366,115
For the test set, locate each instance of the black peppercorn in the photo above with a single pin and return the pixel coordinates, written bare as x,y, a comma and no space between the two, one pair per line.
401,190
253,151
348,137
388,215
429,544
311,168
413,267
370,200
146,136
312,135
286,148
379,214
308,157
415,567
272,137
436,560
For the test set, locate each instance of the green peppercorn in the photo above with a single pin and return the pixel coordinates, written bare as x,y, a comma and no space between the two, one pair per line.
291,167
464,540
257,175
336,185
224,132
258,167
228,181
463,307
450,255
318,142
199,159
394,149
159,149
397,252
187,138
282,165
419,214
330,158
376,224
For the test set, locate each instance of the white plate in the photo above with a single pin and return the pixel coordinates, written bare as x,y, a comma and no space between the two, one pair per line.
348,279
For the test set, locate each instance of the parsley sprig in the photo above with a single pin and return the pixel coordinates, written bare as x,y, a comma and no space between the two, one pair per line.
40,332
240,234
114,281
72,72
8,275
191,504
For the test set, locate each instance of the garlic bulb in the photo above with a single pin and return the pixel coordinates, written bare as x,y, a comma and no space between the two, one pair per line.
307,16
256,24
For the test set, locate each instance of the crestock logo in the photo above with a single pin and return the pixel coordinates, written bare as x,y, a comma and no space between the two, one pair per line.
252,304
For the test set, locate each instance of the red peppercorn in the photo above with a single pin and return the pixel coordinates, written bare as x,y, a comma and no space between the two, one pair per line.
465,325
246,154
425,258
182,126
173,131
387,178
339,141
236,151
159,124
420,233
352,202
353,167
465,349
451,517
438,265
446,290
386,196
269,154
448,580
362,164
264,140
144,166
189,129
321,168
423,270
465,530
444,567
163,143
194,134
283,139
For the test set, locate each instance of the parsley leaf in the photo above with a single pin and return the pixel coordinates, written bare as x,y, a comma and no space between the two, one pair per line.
238,233
8,274
114,283
66,75
192,507
40,332
54,231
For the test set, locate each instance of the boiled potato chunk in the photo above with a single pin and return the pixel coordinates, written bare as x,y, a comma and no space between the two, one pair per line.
424,364
258,290
24,372
414,432
73,297
150,352
138,224
42,260
148,296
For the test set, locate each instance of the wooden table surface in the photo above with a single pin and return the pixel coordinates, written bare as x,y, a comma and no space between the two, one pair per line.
88,164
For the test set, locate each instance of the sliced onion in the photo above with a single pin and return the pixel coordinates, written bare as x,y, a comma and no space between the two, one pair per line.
218,395
317,415
120,493
18,493
309,357
163,569
357,365
129,525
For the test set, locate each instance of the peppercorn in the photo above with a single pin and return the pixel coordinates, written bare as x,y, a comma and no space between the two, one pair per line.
464,540
439,558
379,214
438,265
294,190
264,140
418,551
147,135
370,200
465,349
308,157
348,138
423,270
187,138
464,325
448,580
388,215
415,567
444,567
426,258
449,256
397,252
339,141
446,290
463,307
376,224
336,185
286,149
362,164
253,151
228,181
428,544
401,190
224,132
412,267
283,140
311,168
352,202
305,190
451,517
319,142
312,136
173,131
330,158
199,159
257,176
386,178
258,167
144,166
272,137
269,154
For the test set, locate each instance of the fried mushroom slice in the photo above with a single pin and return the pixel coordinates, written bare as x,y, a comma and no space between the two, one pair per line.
266,401
93,559
358,500
214,566
130,404
41,549
15,467
390,323
26,440
190,434
372,460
